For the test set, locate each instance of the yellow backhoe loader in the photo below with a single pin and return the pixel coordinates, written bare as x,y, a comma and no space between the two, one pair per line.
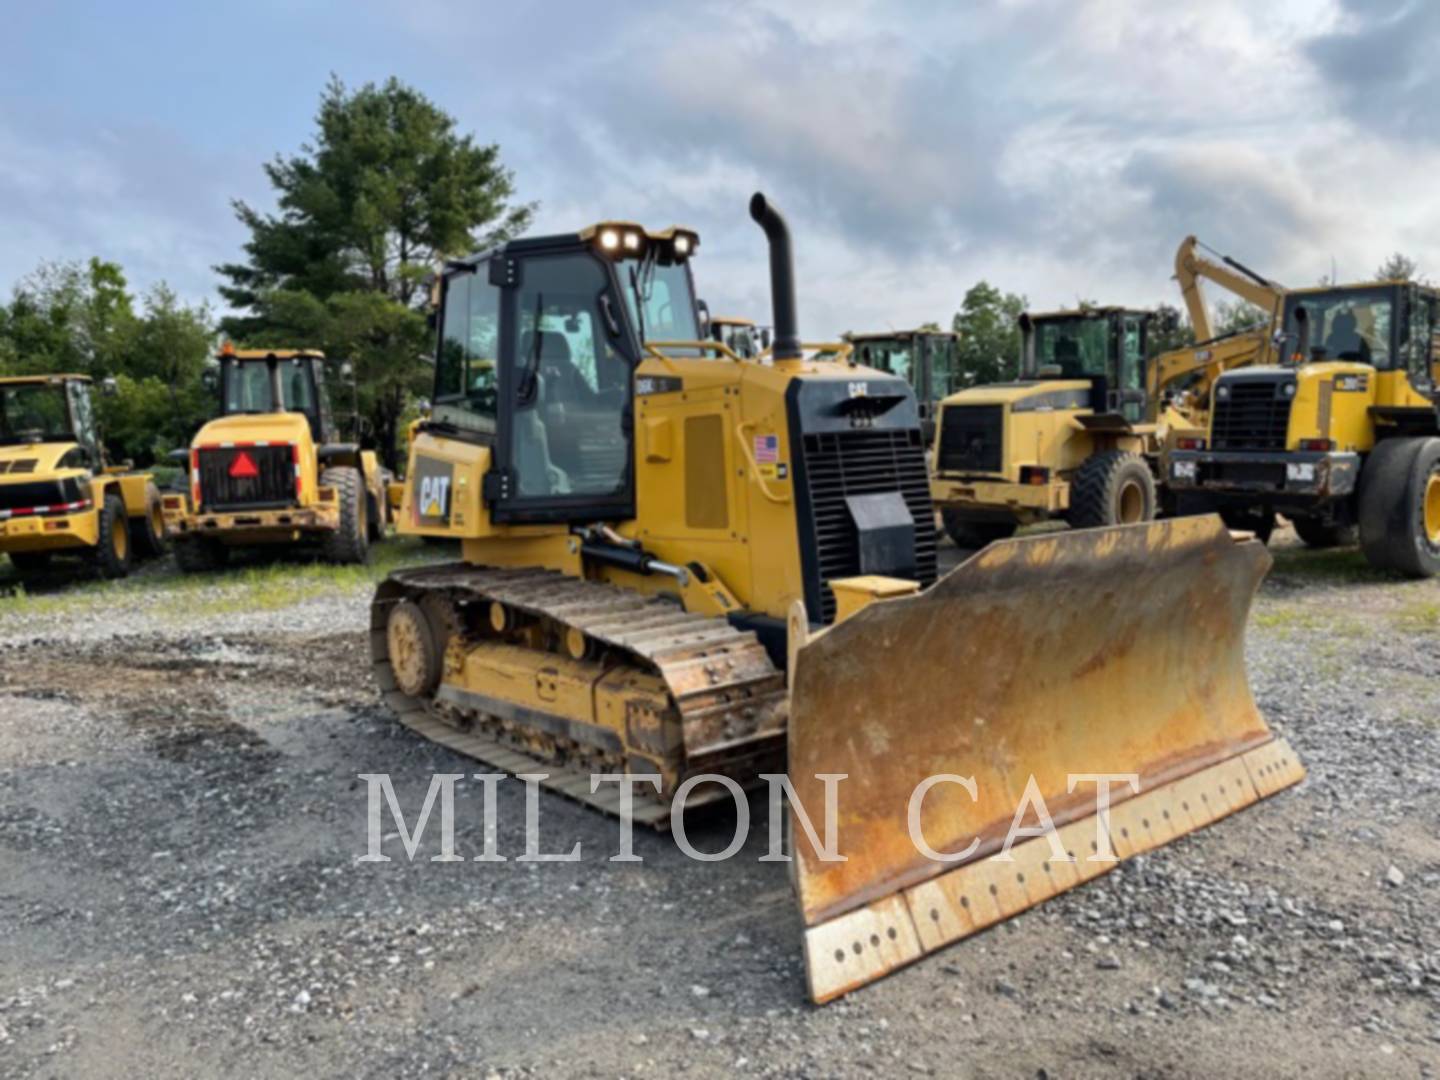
741,336
58,495
689,568
271,469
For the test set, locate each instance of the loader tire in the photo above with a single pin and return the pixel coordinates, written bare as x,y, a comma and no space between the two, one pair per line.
1245,519
111,554
200,554
350,542
1318,533
1112,488
967,533
147,532
1400,507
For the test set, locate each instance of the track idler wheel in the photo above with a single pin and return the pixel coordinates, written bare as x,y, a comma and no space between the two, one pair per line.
415,655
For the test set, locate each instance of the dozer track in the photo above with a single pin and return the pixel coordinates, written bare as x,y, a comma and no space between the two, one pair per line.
684,693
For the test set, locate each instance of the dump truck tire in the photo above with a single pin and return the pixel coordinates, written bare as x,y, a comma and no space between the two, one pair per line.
147,532
350,542
1259,522
1112,488
1400,507
200,554
967,533
111,554
1318,533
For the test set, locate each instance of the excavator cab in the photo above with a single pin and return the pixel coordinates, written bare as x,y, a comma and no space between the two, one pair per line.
1106,346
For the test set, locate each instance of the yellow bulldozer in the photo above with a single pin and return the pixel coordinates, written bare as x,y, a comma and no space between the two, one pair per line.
58,494
1338,432
271,469
690,569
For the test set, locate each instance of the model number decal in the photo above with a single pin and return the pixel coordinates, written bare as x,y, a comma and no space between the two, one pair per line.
1351,383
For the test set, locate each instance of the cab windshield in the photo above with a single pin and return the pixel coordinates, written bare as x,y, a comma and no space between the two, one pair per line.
891,356
247,387
661,301
34,412
1351,324
1077,346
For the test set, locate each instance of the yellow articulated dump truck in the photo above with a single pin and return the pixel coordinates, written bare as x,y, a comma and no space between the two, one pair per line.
58,495
688,569
271,470
1339,434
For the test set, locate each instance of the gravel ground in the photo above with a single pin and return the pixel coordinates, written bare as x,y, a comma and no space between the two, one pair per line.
181,816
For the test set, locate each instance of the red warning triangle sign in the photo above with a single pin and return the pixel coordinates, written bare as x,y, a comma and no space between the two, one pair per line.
243,466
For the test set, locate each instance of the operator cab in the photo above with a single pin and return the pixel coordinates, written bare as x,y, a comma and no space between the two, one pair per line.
256,382
51,409
1105,346
929,360
1390,326
538,343
741,336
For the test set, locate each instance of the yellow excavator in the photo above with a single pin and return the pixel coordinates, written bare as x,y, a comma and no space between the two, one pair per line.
691,569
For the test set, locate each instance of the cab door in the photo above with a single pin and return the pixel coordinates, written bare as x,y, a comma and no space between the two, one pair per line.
564,450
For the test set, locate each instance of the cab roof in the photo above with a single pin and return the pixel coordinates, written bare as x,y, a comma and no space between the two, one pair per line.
59,377
1358,286
268,354
587,235
899,335
730,320
1102,312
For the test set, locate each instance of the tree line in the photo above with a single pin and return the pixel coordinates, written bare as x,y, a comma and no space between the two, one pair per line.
384,193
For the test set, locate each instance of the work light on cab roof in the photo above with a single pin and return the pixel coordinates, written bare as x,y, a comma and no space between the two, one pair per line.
627,240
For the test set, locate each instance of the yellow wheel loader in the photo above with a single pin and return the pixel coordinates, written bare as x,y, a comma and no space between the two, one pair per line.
689,569
271,470
741,336
1339,434
58,495
928,360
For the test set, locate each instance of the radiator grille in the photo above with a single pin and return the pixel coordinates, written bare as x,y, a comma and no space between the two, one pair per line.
1254,417
27,496
972,438
272,485
863,462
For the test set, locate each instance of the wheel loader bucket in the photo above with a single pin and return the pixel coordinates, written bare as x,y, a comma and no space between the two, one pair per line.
1037,663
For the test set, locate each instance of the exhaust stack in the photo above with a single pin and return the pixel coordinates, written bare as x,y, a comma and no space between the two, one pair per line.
782,278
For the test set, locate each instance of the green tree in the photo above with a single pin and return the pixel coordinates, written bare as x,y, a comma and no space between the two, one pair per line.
1233,316
1169,330
1397,267
384,193
987,322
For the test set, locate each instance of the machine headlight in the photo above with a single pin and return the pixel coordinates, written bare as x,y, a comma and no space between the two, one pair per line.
610,239
682,245
1288,389
1222,392
632,241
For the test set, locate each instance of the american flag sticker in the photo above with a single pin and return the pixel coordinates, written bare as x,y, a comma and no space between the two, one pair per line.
767,449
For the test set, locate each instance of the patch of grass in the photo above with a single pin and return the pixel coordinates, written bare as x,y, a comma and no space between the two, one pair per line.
1420,617
1340,565
1290,619
271,585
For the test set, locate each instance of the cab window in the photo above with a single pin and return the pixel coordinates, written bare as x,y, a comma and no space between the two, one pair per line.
1078,347
246,387
1352,325
568,381
466,376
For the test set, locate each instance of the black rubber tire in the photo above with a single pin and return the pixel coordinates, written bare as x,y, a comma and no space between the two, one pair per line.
1392,507
30,562
1259,521
1318,533
1102,486
350,542
147,532
967,533
200,554
112,551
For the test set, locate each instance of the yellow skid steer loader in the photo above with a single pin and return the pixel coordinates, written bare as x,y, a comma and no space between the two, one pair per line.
679,564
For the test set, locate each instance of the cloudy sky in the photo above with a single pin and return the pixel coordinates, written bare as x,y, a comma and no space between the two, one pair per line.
1058,149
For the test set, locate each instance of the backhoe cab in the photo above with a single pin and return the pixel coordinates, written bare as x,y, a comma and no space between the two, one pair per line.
271,469
58,494
1072,438
1340,434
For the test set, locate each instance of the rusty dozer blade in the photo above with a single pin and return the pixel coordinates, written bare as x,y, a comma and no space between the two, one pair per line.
1106,651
